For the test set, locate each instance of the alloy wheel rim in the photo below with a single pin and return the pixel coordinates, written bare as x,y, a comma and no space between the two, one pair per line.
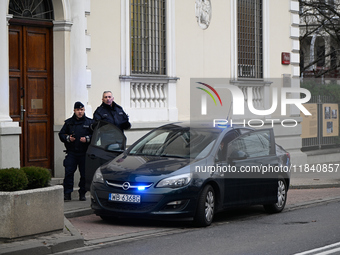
209,206
281,194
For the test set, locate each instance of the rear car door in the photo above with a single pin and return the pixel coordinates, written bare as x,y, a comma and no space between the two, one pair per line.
107,143
248,154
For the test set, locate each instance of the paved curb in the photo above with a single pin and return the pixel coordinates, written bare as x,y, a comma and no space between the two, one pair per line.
78,213
311,202
49,246
315,186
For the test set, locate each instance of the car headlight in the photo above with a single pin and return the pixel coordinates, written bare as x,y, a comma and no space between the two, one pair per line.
98,176
175,181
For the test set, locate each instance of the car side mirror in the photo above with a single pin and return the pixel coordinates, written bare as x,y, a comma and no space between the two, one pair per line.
237,155
113,147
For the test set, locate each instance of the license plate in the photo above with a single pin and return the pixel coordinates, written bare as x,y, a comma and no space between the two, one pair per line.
124,198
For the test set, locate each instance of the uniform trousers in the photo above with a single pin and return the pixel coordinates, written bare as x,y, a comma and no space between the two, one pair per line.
71,162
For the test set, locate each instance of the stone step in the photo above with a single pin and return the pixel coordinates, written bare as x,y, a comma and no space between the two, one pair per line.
56,181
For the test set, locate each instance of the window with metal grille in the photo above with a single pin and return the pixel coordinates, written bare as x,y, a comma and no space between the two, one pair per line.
148,37
250,49
31,9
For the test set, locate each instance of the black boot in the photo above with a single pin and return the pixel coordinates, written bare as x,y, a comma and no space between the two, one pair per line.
67,196
82,197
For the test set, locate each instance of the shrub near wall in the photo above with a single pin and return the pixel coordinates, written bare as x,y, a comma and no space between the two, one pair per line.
13,179
31,211
38,177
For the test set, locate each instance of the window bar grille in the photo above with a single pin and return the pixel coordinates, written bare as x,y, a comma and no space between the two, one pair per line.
148,42
250,63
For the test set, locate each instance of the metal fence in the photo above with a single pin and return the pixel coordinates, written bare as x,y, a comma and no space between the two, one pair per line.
320,141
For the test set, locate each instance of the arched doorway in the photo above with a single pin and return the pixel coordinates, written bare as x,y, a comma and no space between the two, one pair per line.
31,78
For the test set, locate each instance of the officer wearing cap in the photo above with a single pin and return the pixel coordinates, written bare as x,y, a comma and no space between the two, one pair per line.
76,136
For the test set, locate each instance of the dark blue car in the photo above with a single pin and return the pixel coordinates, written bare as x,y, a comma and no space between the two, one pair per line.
185,171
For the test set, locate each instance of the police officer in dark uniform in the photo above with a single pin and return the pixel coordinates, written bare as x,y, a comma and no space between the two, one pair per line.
111,112
76,135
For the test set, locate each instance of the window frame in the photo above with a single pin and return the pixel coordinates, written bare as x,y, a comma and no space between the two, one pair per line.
272,149
253,69
148,38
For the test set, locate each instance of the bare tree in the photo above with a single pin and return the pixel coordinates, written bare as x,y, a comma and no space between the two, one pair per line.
319,37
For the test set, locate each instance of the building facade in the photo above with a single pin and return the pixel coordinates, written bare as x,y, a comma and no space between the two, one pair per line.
145,52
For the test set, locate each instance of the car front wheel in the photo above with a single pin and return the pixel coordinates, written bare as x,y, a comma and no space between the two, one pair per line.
205,208
281,198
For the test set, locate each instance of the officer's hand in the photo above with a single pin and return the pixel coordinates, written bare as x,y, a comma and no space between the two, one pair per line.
83,139
72,139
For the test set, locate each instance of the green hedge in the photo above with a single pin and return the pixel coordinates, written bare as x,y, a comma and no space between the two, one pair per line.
14,179
38,177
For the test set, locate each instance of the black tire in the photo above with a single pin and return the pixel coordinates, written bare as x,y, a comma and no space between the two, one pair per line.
281,198
205,207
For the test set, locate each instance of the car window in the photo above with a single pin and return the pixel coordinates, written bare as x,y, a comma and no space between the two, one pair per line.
256,144
221,154
181,142
153,144
108,137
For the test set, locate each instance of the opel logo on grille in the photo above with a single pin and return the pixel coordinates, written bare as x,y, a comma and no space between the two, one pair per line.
126,185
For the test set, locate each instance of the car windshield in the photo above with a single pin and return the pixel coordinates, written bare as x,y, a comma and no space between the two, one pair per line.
176,142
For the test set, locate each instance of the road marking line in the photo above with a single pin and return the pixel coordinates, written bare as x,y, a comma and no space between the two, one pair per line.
329,252
321,249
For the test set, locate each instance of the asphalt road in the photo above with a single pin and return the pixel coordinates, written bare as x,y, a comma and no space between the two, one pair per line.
243,231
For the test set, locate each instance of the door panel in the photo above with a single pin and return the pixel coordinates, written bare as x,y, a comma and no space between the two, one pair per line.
37,146
36,104
14,95
36,43
252,151
107,143
15,48
15,70
30,61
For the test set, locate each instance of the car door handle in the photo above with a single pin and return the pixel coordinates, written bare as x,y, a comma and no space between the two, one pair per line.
92,156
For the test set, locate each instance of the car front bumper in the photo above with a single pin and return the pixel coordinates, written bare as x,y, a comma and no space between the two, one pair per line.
154,203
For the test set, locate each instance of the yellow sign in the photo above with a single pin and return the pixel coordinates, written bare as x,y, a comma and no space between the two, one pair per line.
330,121
310,122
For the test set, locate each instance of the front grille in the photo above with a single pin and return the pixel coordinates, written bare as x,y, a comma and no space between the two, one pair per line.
131,185
140,207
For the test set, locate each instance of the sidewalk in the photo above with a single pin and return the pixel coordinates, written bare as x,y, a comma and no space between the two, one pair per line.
70,238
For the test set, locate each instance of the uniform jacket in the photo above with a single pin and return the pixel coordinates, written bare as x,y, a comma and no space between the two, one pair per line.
113,114
77,128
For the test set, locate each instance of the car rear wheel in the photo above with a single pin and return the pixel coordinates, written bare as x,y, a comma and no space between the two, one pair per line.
205,208
281,198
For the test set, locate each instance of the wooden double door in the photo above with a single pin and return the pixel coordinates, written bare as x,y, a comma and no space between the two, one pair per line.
31,89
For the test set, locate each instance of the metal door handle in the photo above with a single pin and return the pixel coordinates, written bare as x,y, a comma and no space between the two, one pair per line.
92,156
22,110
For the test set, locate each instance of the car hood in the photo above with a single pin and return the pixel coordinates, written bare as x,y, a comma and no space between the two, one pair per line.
143,168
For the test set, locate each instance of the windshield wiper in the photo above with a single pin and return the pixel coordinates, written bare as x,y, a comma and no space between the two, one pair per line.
172,156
